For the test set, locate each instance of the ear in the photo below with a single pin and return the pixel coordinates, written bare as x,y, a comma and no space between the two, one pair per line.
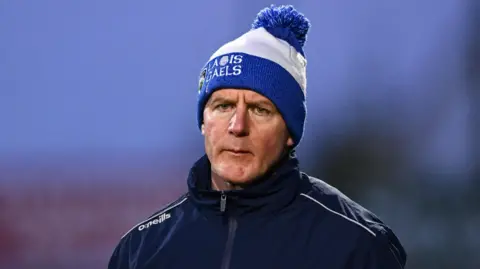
203,129
290,141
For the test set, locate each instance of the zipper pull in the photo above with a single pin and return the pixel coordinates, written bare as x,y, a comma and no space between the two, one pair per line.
223,202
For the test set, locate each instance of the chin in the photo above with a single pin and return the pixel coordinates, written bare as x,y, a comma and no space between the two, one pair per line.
235,174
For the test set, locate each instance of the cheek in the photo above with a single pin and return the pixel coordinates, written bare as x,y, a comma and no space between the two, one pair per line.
212,127
270,143
212,135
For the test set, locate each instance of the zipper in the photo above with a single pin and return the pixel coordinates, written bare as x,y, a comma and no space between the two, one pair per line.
232,228
223,202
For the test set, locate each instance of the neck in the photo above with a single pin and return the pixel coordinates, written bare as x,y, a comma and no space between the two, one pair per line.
221,184
266,194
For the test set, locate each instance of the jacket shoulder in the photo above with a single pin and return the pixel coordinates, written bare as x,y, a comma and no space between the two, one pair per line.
133,237
165,210
338,205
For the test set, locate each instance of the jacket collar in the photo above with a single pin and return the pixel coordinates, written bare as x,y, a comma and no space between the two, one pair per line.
268,194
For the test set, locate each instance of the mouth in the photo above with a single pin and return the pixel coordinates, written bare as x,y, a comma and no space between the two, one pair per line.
238,152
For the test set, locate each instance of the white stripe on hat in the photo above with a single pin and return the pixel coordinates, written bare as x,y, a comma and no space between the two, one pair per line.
261,43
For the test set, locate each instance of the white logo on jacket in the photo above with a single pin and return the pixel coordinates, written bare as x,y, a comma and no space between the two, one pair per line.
155,221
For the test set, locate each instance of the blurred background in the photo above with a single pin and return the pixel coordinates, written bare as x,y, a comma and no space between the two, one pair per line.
98,125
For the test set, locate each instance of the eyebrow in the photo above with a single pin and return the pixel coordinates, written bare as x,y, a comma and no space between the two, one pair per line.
222,99
219,99
261,102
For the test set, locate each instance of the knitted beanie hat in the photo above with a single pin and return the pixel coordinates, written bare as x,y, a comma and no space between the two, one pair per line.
268,59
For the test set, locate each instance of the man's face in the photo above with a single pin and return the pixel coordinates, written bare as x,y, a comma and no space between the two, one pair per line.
244,134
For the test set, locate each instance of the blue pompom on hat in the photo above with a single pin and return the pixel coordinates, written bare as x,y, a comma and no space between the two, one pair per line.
268,59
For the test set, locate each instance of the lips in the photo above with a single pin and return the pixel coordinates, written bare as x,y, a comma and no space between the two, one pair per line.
238,151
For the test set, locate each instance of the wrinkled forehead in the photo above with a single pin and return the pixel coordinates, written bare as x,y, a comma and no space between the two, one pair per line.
236,95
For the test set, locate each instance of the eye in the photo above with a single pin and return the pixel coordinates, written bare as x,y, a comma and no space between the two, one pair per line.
261,111
223,107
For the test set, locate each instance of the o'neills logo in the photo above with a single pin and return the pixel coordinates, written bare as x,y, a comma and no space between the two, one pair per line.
158,220
227,65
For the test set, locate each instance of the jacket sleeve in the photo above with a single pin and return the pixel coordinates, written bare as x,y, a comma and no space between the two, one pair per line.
386,251
120,256
382,251
385,255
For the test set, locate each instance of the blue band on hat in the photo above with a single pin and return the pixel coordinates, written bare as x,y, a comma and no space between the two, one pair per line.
244,71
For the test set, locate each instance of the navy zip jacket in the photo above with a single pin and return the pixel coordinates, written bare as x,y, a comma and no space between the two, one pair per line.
285,220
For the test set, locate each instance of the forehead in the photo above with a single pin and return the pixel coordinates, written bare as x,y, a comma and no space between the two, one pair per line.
236,94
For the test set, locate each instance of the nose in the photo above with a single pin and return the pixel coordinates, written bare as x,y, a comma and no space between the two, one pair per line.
239,122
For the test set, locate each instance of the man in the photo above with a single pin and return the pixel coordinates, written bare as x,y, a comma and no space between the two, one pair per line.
248,204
